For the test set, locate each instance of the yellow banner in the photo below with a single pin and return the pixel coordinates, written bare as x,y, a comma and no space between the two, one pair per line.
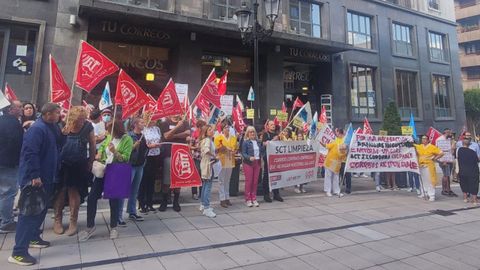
383,133
407,130
282,116
298,123
273,112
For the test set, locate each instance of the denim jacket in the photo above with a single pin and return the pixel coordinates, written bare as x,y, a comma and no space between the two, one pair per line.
248,152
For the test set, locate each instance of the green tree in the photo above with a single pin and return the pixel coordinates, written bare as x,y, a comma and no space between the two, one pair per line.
472,108
391,120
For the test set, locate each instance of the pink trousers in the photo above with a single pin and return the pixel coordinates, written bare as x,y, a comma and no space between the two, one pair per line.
251,180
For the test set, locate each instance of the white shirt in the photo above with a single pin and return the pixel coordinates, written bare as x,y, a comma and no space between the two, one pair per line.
115,143
152,135
99,130
256,150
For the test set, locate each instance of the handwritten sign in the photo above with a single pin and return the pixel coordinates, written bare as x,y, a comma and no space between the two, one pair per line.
407,130
273,112
282,116
373,153
446,147
250,113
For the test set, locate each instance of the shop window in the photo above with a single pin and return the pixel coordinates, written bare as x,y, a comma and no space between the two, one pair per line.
402,36
305,18
224,9
437,45
407,93
441,95
359,30
363,91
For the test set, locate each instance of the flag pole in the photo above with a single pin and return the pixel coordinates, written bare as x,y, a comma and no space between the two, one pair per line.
74,77
51,77
114,118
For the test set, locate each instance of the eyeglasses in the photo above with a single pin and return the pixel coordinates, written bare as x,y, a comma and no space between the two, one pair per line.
28,108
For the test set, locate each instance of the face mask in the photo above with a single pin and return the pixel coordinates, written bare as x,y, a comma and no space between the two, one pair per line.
106,118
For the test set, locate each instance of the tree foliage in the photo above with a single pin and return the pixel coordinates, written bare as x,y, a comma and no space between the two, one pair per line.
391,120
472,103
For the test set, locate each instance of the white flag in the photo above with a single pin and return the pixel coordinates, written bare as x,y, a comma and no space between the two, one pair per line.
240,104
3,101
106,100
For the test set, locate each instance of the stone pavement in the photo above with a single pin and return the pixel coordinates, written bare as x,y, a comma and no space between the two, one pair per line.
364,230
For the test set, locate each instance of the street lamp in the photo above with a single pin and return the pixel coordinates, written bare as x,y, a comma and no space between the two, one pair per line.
254,31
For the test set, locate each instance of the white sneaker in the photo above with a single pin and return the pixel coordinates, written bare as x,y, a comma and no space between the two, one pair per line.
113,233
86,234
409,189
421,196
201,208
303,190
365,176
419,192
249,203
329,194
297,190
378,188
339,195
209,213
432,199
255,203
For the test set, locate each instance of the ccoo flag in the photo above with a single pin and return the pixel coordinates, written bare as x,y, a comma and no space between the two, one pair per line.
106,99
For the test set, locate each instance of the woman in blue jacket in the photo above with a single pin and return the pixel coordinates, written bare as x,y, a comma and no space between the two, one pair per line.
251,155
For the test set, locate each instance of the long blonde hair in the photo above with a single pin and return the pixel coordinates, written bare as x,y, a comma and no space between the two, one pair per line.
74,114
249,128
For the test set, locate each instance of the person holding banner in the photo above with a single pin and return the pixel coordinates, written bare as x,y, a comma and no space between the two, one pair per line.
174,130
428,154
468,171
251,155
153,137
117,147
337,152
208,157
226,145
269,135
447,145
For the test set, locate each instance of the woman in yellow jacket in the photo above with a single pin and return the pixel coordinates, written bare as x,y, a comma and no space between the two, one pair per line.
428,154
226,145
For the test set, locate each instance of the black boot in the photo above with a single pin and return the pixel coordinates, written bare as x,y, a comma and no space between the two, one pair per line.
267,198
163,204
176,205
276,195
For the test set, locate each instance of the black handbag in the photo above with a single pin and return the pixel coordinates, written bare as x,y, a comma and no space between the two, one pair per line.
32,201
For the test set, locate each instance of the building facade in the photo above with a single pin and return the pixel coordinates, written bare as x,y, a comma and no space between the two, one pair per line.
361,53
468,19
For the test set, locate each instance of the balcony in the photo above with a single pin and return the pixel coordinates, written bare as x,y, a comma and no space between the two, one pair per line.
469,60
462,12
468,34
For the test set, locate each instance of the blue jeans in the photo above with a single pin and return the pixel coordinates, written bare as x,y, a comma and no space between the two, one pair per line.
411,177
8,190
28,227
137,174
206,190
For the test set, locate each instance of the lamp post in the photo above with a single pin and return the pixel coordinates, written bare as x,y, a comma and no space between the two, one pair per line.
252,33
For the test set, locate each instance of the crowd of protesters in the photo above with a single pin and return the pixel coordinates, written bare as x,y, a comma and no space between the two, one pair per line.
70,158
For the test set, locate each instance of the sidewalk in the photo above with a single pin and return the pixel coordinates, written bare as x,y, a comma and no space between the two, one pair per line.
364,230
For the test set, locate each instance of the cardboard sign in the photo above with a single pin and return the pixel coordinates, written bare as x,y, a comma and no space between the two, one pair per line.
446,147
383,133
227,104
282,116
250,113
273,112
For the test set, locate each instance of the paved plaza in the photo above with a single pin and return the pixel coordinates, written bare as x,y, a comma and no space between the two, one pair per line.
363,230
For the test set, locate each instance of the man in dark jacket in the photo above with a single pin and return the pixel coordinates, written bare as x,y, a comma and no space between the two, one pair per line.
11,136
39,164
269,135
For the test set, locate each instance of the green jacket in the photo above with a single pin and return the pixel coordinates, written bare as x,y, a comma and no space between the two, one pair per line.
124,148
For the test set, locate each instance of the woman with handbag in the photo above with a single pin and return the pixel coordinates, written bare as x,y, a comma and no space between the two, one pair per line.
75,168
251,154
116,148
207,150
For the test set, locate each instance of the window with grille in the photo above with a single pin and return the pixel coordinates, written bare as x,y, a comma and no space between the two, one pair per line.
437,45
402,36
363,91
359,30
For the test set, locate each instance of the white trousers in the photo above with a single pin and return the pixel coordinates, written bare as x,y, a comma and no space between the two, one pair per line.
224,181
331,183
426,183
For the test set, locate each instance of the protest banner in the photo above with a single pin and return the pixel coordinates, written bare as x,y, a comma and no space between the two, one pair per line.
325,135
183,172
226,102
273,112
291,162
407,130
250,113
182,92
373,153
282,116
446,147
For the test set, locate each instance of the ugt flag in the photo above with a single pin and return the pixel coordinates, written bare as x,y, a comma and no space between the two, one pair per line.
183,172
209,90
367,129
168,103
92,67
222,85
9,93
129,95
59,89
106,99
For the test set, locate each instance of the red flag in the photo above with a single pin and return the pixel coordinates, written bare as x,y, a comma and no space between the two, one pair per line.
87,106
64,108
203,105
276,122
9,93
168,103
182,168
129,95
59,89
151,107
284,108
238,119
222,85
323,116
367,129
433,135
209,90
297,104
92,67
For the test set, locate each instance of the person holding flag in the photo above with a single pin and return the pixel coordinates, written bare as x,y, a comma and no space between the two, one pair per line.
337,152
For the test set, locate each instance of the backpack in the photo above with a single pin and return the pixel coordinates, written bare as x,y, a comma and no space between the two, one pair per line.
75,147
